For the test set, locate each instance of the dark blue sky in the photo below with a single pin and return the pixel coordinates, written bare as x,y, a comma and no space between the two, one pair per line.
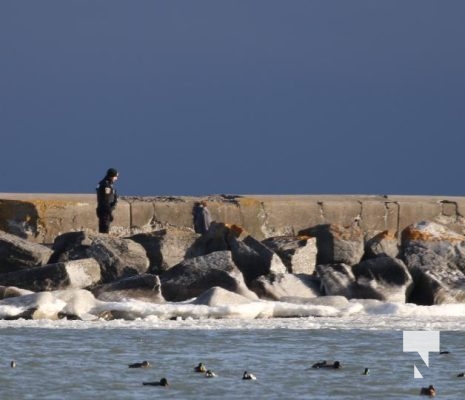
238,97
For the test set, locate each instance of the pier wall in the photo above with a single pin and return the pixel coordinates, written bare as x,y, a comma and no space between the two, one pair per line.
42,217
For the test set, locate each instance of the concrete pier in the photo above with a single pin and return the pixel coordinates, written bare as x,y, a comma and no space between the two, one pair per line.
42,217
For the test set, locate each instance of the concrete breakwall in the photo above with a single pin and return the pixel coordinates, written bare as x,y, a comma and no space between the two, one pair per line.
42,217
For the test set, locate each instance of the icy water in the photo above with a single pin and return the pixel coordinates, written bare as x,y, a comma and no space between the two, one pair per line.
83,360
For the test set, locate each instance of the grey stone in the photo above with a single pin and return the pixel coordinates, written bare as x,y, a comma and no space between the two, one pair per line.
194,276
336,279
298,253
337,244
72,245
384,279
17,253
118,257
425,238
167,247
435,256
251,256
144,287
387,276
437,284
382,244
255,259
279,286
70,274
217,238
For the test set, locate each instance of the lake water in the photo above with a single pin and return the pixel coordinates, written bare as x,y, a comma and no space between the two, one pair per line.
81,360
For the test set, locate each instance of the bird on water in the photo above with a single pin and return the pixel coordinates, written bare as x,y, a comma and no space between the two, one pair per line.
161,382
248,376
143,364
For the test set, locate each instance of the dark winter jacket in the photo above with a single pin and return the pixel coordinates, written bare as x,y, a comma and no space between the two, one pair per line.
107,198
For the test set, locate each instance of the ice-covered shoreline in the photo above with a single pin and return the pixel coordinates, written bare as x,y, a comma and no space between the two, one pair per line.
356,314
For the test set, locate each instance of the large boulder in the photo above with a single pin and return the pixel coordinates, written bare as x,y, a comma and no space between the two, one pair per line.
298,253
387,276
337,244
71,274
17,253
437,284
167,247
251,256
336,279
382,244
144,287
255,259
435,256
118,257
421,239
279,286
384,278
73,245
217,238
194,276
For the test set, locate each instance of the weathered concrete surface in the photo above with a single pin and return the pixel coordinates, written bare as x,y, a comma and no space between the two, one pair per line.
42,217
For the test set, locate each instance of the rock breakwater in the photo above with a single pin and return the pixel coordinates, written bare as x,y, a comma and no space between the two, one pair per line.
297,249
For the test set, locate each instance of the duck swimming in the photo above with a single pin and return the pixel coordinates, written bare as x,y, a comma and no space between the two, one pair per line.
210,374
366,372
325,364
161,382
248,376
429,391
143,364
13,364
461,375
200,368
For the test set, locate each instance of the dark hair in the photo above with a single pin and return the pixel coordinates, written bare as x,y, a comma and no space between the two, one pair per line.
112,172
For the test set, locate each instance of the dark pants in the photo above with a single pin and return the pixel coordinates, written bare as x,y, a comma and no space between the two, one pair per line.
104,221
